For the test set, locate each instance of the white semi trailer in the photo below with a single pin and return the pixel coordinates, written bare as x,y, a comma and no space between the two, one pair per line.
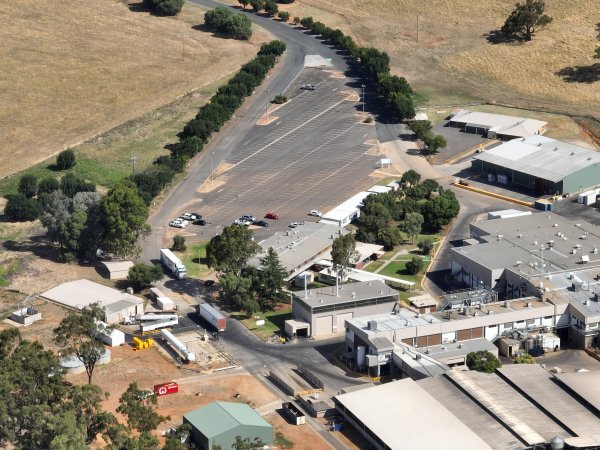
172,263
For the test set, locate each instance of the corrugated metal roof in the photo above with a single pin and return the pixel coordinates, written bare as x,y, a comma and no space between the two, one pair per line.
81,293
501,124
219,417
541,157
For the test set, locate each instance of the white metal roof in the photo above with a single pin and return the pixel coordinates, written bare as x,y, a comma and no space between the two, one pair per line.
501,124
405,416
541,156
82,293
118,266
347,208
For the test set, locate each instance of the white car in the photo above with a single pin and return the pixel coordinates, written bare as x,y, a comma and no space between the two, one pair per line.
190,216
179,223
248,218
316,213
294,224
243,222
308,87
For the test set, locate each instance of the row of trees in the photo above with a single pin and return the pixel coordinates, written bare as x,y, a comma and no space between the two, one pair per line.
395,90
224,21
248,288
392,217
269,6
40,409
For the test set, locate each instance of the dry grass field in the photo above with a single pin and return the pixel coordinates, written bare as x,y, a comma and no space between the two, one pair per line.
76,68
453,62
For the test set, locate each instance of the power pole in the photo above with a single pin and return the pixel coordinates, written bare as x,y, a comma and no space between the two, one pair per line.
132,160
419,18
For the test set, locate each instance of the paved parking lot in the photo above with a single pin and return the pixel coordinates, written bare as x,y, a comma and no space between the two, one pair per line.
458,142
313,155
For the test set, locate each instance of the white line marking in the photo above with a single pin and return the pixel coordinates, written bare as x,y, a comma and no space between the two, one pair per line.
280,122
334,90
366,135
220,190
293,79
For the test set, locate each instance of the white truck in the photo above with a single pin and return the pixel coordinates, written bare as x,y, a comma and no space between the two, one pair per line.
172,263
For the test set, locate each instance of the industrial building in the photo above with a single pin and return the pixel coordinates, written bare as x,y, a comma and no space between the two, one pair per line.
117,270
496,126
345,212
300,247
219,423
541,164
518,407
80,294
542,254
322,312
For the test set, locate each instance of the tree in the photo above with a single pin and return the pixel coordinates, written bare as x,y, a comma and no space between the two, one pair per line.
28,185
420,128
71,184
410,177
123,215
174,438
440,210
164,7
86,403
307,22
401,105
283,15
140,409
433,143
389,237
179,243
526,19
597,53
271,277
344,254
525,358
65,160
244,3
231,250
77,332
415,265
412,225
57,211
48,185
69,234
296,20
236,290
483,361
22,209
141,275
246,444
257,5
271,7
426,246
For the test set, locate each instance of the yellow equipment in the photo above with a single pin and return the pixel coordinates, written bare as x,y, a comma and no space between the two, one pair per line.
140,345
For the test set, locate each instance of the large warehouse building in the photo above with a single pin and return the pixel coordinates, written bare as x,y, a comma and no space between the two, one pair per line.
496,126
219,423
544,165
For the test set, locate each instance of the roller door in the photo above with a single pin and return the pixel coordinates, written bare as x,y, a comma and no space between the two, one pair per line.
324,325
340,319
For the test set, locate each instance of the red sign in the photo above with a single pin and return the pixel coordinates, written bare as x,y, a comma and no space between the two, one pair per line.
166,388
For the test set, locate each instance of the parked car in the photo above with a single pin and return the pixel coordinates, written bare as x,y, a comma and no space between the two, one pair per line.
294,224
308,87
271,215
248,217
242,221
190,216
200,222
262,223
316,213
179,223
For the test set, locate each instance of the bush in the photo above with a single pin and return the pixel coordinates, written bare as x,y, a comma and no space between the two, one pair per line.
71,184
525,358
22,209
296,20
426,246
141,275
164,7
415,265
65,160
225,21
307,22
284,15
279,99
483,361
48,185
179,243
28,185
271,7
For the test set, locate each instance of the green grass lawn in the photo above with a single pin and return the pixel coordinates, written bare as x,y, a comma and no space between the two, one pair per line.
274,322
373,266
397,269
194,260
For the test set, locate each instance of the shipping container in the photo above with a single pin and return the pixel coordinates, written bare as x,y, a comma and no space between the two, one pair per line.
166,388
165,304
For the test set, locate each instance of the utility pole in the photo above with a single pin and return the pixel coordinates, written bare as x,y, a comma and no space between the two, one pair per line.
419,18
212,170
267,104
132,160
363,97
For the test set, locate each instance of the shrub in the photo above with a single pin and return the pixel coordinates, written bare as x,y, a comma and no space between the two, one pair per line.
525,358
164,7
307,22
280,99
71,184
296,20
415,265
28,185
65,160
47,185
141,275
271,7
284,15
22,209
483,361
179,243
224,21
426,246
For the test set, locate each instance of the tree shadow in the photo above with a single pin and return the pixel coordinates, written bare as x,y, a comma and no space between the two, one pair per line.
498,37
36,245
138,7
580,74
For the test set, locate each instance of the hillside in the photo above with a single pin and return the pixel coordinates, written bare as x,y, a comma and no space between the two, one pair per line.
74,68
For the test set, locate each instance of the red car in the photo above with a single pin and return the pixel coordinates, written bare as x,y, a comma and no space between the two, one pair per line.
271,215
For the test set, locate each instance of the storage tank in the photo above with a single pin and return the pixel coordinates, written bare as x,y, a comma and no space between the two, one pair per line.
557,443
178,345
361,356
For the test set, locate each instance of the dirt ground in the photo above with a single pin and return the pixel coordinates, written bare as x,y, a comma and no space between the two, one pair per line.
453,62
303,437
77,69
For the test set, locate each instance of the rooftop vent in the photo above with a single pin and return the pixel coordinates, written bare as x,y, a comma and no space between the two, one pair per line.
372,324
555,225
489,311
572,153
555,148
353,294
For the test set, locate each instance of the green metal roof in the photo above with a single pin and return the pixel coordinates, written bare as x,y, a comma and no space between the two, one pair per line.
219,417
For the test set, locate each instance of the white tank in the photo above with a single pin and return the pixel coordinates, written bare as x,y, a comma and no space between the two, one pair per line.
179,346
361,356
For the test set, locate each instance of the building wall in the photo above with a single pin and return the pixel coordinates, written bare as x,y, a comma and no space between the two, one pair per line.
582,179
227,439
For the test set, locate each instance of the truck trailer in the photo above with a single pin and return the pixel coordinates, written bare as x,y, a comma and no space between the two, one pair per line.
145,327
172,263
212,316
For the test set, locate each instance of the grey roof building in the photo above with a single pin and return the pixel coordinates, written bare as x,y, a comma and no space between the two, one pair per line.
496,126
220,422
541,164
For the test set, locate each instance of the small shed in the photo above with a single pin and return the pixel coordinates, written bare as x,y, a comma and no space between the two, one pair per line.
218,424
111,337
26,316
123,309
424,303
116,270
